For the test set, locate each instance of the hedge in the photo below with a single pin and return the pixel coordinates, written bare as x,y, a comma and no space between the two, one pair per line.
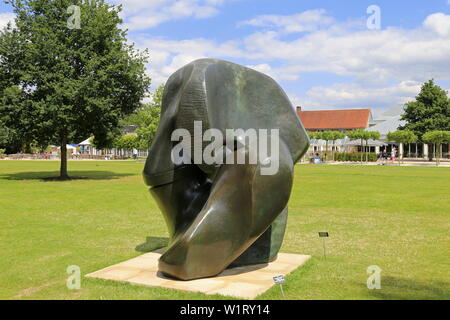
354,156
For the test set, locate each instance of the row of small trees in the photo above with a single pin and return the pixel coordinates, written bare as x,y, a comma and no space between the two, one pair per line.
327,136
364,136
427,119
436,137
403,136
359,134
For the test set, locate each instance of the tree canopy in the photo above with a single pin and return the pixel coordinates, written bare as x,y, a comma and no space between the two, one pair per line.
327,135
402,136
127,142
363,135
147,119
437,137
61,84
430,111
359,134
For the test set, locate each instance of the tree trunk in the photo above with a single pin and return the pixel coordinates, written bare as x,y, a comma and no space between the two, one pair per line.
366,154
326,150
63,169
440,153
362,149
332,149
368,151
435,154
27,148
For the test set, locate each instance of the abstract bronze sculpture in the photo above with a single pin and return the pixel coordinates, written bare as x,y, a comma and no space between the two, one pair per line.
225,215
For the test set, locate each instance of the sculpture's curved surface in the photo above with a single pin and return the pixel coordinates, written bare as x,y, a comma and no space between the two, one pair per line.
229,214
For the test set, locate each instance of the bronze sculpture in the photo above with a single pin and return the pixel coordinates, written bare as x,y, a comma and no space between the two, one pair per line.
224,215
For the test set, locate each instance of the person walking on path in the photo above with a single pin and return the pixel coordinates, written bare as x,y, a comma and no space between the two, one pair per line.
383,157
393,154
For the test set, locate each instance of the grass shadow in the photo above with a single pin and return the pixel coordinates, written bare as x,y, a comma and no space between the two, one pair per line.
393,288
152,243
53,175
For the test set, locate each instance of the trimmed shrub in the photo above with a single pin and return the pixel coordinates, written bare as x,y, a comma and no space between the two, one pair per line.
354,156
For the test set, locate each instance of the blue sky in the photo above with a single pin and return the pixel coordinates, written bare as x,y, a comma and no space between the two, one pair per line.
321,52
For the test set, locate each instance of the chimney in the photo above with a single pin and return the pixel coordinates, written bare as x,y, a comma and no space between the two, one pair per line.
299,108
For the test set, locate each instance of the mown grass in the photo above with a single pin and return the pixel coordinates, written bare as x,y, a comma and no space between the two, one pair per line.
397,218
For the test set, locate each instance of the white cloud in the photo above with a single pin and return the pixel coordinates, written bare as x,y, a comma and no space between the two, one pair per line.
438,23
387,66
5,18
167,56
310,20
354,95
140,14
370,56
367,55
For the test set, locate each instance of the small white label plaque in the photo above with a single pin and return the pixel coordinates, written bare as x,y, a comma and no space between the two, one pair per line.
279,279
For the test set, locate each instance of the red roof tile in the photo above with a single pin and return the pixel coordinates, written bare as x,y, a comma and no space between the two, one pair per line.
335,119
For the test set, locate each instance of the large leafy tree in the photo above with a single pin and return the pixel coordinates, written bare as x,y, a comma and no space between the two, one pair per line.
147,119
8,139
60,83
4,135
127,142
430,111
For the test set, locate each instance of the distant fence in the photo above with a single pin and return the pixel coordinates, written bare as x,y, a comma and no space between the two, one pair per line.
41,156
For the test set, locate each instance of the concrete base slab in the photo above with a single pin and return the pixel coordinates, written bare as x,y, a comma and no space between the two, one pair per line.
242,282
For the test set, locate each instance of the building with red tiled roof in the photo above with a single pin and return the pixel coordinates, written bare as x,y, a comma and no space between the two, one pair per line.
340,120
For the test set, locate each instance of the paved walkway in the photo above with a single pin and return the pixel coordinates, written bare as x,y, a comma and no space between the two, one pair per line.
444,163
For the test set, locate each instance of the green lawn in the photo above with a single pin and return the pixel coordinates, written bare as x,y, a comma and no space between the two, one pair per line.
397,218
